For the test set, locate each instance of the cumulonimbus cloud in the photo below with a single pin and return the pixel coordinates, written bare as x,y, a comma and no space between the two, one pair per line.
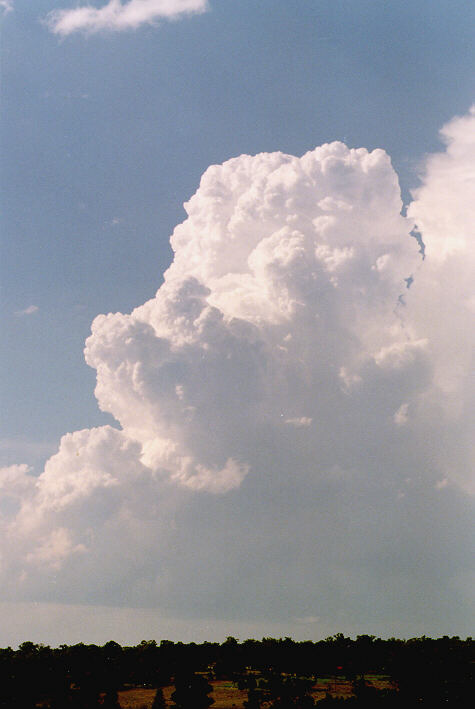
284,356
118,16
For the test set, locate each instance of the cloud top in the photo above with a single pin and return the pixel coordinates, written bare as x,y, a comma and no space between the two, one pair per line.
116,16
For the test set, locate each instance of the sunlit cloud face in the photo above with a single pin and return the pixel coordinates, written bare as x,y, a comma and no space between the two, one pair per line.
117,16
442,299
292,417
285,274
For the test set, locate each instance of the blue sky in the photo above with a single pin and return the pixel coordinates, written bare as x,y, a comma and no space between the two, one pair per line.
105,135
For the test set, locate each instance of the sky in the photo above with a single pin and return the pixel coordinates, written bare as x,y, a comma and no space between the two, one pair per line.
237,316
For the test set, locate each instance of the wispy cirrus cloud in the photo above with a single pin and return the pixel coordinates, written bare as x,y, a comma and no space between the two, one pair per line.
300,421
30,310
116,16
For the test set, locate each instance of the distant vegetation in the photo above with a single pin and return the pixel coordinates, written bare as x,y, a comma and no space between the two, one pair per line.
254,674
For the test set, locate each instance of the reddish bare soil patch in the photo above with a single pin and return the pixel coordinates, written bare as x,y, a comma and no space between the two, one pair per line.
135,698
227,696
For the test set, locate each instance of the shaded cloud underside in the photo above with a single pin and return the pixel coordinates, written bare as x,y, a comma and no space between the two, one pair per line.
289,428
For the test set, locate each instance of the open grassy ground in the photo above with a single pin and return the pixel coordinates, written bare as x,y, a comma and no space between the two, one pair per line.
227,696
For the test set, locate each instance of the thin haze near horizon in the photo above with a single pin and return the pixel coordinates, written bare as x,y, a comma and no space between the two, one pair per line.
266,212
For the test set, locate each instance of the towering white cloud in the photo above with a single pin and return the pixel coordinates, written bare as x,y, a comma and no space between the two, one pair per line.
286,404
442,298
442,206
286,273
117,16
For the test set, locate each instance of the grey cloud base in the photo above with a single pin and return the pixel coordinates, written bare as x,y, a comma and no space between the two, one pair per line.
294,438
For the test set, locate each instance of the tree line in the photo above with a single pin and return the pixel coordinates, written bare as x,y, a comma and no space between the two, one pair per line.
275,673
